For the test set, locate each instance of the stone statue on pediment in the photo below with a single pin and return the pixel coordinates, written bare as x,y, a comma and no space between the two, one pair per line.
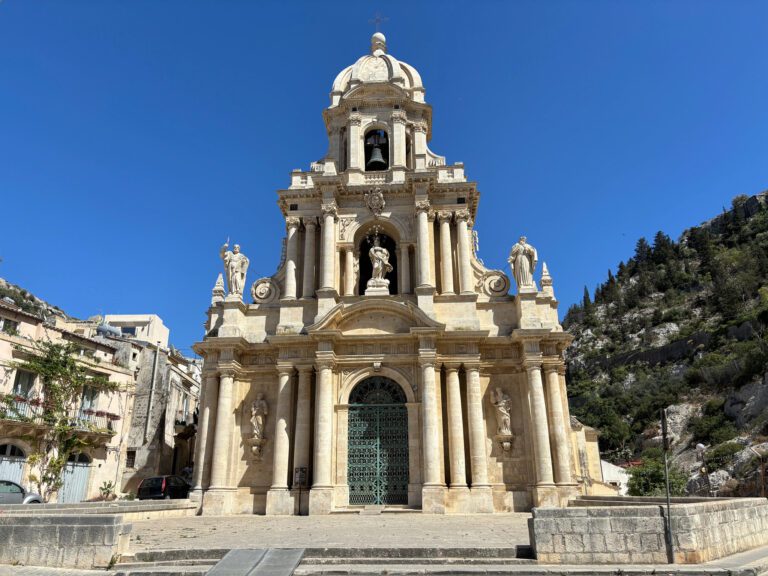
235,267
522,259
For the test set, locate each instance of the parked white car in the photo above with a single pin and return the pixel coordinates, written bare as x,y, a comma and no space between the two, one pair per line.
12,493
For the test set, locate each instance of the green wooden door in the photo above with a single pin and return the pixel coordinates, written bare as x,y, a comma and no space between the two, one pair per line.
377,468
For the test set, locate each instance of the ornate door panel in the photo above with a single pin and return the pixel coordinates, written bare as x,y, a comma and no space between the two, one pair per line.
377,468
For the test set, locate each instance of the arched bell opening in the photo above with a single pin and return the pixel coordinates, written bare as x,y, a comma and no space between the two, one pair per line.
366,263
376,150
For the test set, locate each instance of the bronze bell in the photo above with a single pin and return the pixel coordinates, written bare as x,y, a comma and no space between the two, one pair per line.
377,161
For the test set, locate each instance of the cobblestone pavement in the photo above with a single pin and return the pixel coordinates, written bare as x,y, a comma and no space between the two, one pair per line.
342,530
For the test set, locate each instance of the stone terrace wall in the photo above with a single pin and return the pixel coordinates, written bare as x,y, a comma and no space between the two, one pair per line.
70,541
613,534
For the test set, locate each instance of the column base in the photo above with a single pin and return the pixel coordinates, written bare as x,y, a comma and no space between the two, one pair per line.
568,492
457,500
482,500
218,501
433,500
280,502
320,501
196,495
545,496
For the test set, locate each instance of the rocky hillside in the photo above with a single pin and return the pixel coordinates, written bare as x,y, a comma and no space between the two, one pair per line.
681,324
28,302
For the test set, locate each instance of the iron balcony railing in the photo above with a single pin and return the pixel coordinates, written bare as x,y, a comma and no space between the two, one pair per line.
81,419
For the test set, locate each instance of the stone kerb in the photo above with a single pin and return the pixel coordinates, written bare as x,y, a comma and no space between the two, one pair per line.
70,541
702,531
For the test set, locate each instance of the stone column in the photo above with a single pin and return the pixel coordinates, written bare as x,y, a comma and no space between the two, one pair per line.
404,269
446,250
355,142
455,427
557,426
301,441
542,453
328,265
278,498
321,495
422,215
308,283
205,425
223,431
349,271
429,425
465,267
292,256
399,120
476,422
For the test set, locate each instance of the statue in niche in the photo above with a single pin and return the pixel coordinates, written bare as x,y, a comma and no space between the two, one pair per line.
259,411
235,266
503,404
522,259
381,266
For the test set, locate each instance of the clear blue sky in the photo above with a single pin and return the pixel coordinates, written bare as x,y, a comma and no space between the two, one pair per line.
135,136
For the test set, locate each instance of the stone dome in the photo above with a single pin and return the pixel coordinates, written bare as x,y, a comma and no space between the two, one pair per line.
378,67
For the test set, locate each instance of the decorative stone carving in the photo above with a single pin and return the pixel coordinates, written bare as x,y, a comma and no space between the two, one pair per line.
444,215
375,70
218,293
292,222
235,267
374,199
399,116
265,291
522,259
422,206
493,283
344,226
381,266
330,209
463,215
259,411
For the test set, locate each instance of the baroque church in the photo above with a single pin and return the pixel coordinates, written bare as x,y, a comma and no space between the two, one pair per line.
383,364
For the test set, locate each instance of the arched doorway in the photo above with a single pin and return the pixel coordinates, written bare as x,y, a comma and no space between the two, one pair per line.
377,450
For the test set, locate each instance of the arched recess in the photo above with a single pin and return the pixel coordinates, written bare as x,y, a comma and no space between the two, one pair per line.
13,458
389,238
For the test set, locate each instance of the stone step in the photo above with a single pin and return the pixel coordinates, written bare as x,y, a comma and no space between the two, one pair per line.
239,562
175,554
426,561
195,562
166,570
520,551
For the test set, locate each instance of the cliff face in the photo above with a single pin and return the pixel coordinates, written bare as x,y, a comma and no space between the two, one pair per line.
683,324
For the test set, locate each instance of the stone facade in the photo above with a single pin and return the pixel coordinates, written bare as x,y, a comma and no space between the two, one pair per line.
380,283
632,531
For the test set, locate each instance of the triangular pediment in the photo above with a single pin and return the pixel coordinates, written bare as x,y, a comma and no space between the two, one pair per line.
374,316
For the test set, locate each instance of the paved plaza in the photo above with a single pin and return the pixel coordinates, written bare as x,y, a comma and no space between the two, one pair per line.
334,531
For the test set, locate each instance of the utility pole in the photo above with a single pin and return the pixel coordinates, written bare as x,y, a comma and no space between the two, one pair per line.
668,524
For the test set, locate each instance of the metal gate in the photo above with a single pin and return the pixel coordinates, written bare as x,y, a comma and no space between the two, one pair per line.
74,480
12,461
377,466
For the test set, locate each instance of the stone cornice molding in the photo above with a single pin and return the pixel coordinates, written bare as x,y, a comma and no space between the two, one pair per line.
284,368
303,368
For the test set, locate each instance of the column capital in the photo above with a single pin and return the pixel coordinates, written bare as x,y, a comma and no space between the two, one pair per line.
310,223
531,364
452,366
292,222
462,215
472,366
423,206
355,119
330,209
321,364
399,117
285,369
304,368
444,216
227,372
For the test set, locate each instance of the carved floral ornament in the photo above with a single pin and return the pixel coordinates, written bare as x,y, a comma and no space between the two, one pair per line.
330,209
422,206
292,222
462,215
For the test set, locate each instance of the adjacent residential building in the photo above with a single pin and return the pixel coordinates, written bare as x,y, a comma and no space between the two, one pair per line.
102,418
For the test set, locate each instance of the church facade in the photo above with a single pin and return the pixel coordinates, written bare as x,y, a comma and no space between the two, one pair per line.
383,364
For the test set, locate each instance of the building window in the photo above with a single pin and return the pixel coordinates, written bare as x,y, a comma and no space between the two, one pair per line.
23,384
128,330
130,459
9,326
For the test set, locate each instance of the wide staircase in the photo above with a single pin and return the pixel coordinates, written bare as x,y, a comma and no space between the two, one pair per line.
310,561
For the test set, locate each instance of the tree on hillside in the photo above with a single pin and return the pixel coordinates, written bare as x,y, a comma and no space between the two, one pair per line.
642,252
63,378
663,248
